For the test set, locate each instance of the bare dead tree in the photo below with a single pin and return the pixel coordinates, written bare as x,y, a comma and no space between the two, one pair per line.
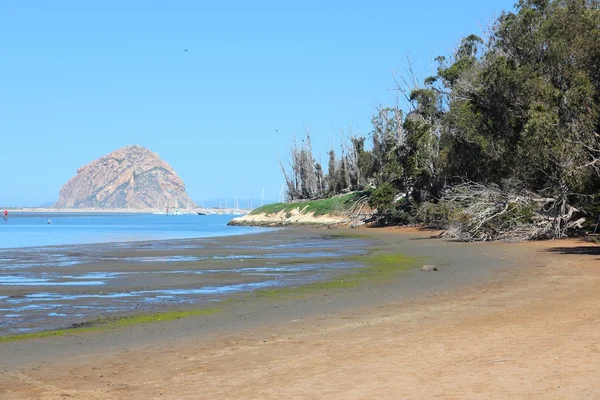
304,180
348,141
406,82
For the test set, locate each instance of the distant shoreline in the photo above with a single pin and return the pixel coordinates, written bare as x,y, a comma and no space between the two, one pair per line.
80,210
125,210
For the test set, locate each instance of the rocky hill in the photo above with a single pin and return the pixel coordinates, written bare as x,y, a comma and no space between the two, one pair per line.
132,177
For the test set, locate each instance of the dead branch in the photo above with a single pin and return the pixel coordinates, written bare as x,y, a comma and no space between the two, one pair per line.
482,213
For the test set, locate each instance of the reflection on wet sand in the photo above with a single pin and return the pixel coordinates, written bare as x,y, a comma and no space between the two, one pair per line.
53,287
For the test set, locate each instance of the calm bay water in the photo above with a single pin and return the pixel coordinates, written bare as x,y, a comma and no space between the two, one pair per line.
32,229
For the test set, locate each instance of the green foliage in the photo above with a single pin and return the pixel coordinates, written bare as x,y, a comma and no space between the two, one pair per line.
528,107
383,197
436,215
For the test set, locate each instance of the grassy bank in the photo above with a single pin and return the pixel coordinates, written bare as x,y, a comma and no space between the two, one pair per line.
330,206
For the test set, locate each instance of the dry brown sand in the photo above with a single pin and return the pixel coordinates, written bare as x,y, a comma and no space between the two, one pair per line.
531,332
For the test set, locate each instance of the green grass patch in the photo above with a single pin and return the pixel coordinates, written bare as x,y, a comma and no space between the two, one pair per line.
379,267
111,322
332,205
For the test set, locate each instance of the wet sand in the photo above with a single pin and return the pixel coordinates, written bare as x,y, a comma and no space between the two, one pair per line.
55,287
498,320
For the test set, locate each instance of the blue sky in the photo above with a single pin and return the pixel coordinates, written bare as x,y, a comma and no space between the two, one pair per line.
80,79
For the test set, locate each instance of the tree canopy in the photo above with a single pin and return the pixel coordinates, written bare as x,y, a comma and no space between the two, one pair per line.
521,105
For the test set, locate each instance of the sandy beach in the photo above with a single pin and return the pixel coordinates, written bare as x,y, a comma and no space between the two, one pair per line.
497,321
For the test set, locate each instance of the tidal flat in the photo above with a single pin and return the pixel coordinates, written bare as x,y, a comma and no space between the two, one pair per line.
81,286
48,288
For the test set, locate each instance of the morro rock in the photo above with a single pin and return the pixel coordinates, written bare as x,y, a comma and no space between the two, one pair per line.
132,177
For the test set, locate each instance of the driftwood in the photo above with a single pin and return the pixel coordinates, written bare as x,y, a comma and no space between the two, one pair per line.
480,213
355,214
501,360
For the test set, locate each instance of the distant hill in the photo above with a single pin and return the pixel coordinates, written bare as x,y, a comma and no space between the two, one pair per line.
132,177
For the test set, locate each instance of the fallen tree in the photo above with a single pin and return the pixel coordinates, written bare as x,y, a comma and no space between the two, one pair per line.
477,212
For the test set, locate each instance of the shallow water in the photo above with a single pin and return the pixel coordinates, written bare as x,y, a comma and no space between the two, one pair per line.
52,287
20,280
32,229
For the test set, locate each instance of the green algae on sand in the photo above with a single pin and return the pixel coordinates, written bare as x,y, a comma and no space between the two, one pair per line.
110,323
379,267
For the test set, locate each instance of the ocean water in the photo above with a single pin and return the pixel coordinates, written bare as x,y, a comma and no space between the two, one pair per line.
33,230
